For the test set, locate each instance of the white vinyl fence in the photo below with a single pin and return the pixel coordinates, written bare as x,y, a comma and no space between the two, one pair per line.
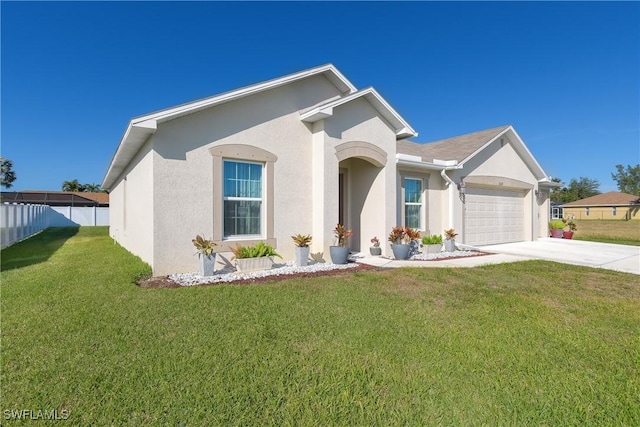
67,216
19,221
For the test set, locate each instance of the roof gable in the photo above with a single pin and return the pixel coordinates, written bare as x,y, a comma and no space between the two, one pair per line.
401,128
612,198
465,147
141,128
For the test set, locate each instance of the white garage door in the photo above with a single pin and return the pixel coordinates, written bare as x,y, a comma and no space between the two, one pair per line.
493,216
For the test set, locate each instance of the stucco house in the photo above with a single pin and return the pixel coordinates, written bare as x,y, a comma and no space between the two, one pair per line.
611,205
299,154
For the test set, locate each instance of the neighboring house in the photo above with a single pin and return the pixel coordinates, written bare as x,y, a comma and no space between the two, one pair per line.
301,153
56,198
611,205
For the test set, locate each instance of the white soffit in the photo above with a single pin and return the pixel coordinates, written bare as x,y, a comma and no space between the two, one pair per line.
141,128
400,126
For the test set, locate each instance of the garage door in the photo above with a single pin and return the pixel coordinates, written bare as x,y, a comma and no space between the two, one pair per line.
493,216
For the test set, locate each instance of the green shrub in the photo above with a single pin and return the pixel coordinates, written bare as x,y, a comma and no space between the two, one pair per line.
556,224
258,250
436,239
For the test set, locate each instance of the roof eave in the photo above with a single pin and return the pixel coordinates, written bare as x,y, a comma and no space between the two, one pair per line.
142,127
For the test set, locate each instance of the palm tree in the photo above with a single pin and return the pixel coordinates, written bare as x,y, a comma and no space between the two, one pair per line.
72,186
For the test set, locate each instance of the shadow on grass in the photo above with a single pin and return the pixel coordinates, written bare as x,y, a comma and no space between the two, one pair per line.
36,249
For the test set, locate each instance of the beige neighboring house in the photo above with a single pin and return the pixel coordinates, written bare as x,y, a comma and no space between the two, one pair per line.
611,205
301,153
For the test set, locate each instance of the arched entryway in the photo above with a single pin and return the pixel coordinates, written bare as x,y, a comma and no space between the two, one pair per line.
362,191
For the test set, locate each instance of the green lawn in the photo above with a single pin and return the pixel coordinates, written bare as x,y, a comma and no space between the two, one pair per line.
531,343
609,231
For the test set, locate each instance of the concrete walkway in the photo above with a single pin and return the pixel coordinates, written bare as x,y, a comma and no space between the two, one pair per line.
591,254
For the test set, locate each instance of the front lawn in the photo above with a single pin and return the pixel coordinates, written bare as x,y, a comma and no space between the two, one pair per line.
531,343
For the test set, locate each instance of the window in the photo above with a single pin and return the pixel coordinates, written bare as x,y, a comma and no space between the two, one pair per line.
615,211
242,199
587,211
413,203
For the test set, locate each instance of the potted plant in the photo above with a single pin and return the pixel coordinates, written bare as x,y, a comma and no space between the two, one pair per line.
339,254
401,239
375,249
556,226
572,227
206,256
450,240
302,248
254,258
432,244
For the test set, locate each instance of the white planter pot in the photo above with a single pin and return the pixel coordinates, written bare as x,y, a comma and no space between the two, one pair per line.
207,264
433,249
449,245
302,255
245,265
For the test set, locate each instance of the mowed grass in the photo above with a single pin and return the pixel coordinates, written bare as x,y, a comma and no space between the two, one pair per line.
531,343
609,231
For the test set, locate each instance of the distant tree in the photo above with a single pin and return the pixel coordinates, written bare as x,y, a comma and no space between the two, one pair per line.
7,174
577,189
92,188
583,188
558,194
81,188
629,180
72,186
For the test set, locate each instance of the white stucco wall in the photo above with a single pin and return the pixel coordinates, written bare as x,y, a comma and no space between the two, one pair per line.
183,197
131,213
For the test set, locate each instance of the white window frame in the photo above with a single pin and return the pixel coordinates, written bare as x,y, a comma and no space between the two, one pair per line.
614,211
250,199
421,225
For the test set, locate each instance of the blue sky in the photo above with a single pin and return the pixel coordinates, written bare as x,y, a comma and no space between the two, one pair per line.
566,75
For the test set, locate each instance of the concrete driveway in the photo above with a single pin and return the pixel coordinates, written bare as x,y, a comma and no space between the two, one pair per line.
579,252
591,254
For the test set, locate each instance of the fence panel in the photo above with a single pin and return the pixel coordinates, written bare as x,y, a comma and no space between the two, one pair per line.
67,216
19,221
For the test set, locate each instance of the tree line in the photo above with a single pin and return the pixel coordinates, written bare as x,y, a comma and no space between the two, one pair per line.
628,181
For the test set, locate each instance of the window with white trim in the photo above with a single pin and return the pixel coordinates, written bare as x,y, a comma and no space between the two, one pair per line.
614,211
242,199
413,203
586,211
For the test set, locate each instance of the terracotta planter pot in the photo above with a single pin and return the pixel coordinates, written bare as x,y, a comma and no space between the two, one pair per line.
567,234
557,234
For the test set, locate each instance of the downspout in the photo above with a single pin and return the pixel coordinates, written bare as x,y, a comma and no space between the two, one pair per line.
452,186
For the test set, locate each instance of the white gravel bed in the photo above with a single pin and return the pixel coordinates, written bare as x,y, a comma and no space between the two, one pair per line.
443,255
230,274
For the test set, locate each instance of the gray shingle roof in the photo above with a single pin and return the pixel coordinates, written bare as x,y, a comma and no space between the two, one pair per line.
456,148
